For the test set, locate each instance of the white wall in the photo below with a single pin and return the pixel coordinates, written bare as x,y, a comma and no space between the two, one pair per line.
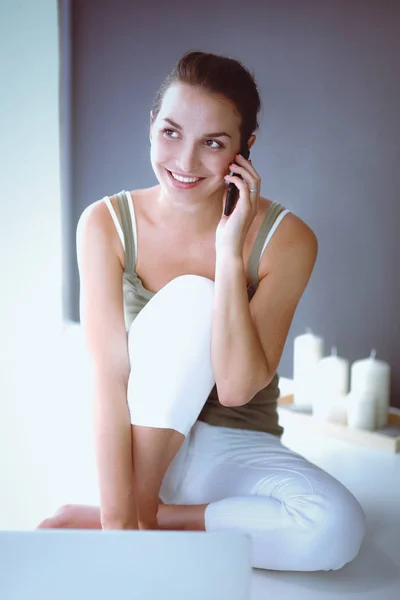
46,455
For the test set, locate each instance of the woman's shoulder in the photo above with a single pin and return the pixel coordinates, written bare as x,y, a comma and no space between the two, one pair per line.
97,214
293,232
96,217
292,224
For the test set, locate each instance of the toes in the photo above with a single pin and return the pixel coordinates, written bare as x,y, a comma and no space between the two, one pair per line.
46,524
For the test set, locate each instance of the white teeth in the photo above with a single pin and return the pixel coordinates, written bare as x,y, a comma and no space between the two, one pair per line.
184,179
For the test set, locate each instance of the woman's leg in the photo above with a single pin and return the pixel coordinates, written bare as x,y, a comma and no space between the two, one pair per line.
299,517
170,380
171,377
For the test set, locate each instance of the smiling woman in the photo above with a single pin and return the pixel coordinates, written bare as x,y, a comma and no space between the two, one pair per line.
190,151
186,312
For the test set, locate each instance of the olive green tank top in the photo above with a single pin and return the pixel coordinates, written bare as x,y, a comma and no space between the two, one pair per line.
260,414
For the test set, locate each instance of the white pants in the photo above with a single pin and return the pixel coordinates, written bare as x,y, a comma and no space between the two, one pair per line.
299,517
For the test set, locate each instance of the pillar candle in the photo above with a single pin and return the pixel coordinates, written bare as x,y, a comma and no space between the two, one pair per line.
361,410
308,350
332,373
373,376
330,407
331,387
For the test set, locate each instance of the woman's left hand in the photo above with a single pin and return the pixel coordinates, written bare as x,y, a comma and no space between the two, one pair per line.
232,231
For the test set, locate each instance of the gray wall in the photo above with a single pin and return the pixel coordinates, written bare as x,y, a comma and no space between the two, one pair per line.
328,147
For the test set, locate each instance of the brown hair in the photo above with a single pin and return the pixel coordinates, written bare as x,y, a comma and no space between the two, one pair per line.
219,75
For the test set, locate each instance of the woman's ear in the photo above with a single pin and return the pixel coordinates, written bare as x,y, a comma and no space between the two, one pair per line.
151,123
251,140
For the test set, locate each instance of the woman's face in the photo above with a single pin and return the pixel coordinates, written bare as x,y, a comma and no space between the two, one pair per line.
189,150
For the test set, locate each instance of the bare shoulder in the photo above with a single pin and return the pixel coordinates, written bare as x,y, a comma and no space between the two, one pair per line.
96,222
97,214
292,238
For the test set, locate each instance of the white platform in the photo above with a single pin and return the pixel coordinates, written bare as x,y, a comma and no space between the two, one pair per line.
138,565
50,440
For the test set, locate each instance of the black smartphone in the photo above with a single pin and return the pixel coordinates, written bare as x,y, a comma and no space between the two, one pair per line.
232,194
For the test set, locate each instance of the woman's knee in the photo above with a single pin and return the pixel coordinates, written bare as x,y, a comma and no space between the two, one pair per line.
190,283
190,293
338,527
178,319
346,525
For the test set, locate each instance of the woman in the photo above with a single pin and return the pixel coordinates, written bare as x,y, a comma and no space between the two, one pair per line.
186,312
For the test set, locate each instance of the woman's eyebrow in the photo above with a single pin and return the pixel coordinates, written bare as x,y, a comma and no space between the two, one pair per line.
216,134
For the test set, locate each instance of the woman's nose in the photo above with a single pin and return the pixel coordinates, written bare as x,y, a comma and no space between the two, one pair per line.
188,162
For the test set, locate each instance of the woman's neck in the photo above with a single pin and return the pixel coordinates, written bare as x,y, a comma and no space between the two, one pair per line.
197,218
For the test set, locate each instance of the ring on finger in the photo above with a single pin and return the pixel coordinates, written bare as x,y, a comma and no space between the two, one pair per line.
250,189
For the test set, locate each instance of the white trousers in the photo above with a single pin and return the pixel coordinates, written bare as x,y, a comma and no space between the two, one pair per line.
299,517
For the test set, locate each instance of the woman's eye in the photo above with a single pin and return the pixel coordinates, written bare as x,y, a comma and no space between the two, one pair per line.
168,131
218,145
214,142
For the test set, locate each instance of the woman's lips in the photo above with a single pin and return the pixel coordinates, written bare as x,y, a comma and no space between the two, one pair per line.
181,185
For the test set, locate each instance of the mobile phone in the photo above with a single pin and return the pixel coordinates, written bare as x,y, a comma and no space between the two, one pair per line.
232,194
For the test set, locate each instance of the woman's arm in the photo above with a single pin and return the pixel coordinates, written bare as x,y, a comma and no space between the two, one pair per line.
102,318
113,446
248,339
239,363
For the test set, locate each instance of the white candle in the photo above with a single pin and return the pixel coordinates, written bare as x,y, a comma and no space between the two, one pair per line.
332,374
331,387
331,408
373,376
308,350
361,410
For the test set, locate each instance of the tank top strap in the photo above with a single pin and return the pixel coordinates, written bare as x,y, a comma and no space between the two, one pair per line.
126,225
266,225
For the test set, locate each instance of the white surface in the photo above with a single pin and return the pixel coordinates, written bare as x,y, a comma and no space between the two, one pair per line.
63,454
139,565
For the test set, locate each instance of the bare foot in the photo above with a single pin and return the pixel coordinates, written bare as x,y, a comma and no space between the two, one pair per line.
73,516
